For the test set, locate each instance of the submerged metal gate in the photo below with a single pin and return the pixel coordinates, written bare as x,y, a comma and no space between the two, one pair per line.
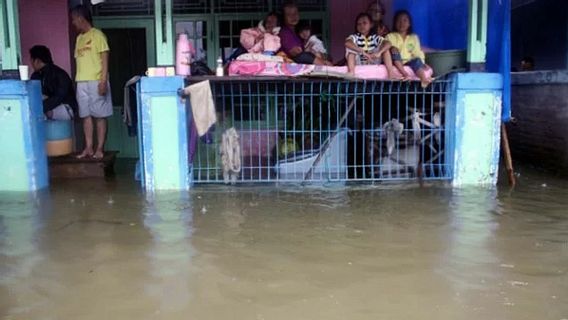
296,130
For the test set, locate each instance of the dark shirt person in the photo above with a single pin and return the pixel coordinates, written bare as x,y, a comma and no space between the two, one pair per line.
56,86
527,64
291,44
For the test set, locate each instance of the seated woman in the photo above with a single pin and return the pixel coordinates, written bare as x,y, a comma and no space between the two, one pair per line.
292,44
364,47
406,48
376,10
264,38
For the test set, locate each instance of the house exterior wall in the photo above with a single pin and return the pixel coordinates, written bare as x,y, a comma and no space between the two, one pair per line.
46,22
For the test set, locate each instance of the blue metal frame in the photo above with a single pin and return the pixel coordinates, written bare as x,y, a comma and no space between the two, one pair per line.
151,89
275,114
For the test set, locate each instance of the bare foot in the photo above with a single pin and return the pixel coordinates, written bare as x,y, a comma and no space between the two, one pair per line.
99,154
425,82
87,153
394,77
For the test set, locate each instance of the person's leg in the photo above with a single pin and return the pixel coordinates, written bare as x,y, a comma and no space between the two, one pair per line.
101,110
420,69
397,61
351,63
84,100
101,137
88,132
387,60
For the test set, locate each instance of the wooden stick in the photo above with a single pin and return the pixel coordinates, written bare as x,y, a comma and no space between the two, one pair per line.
507,154
327,142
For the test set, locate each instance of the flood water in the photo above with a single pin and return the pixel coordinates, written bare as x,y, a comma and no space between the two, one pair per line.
89,249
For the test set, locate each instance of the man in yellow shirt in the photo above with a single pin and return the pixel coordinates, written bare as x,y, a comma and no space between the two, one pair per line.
93,90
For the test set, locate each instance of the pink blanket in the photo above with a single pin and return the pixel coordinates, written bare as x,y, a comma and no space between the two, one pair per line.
275,69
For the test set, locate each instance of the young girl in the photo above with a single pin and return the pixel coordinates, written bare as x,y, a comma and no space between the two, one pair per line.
406,48
365,47
311,42
264,38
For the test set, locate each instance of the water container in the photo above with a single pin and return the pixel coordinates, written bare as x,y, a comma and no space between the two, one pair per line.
59,137
219,72
184,52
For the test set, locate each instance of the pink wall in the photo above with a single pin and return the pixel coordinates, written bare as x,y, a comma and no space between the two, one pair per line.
342,22
46,22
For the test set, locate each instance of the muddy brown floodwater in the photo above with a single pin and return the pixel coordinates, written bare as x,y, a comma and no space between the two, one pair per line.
91,249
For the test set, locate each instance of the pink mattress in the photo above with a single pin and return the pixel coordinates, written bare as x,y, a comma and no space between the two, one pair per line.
276,69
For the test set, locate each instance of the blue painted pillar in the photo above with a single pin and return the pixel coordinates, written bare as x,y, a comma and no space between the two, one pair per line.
163,117
23,160
474,121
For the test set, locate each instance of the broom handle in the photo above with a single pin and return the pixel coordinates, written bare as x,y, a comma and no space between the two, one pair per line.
507,153
327,142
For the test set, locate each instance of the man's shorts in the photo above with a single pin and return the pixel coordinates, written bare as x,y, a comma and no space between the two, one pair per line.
91,104
62,112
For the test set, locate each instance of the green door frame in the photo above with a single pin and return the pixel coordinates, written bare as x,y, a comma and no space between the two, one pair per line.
477,34
10,54
211,32
118,138
147,23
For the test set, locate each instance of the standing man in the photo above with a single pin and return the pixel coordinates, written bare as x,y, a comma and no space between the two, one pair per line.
56,86
93,91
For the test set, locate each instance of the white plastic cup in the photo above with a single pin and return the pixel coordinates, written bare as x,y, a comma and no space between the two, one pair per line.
24,72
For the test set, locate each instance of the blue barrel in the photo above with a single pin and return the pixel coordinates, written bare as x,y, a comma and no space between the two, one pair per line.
58,134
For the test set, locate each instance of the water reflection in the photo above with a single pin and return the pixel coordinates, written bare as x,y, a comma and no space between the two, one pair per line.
20,257
169,219
472,264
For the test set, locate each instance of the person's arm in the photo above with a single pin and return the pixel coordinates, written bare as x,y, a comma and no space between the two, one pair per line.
104,74
384,46
294,52
349,44
419,53
289,44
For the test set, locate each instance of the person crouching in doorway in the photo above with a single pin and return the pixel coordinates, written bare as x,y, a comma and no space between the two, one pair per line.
93,90
56,86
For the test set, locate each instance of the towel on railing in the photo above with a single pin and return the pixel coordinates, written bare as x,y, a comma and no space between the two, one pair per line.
202,106
130,112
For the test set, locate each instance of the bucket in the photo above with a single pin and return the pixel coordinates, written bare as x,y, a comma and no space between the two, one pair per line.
446,61
58,135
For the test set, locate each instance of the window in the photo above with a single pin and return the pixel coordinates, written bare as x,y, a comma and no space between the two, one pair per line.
214,26
124,8
197,34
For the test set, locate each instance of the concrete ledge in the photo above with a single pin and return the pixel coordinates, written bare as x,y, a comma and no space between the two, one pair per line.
156,85
539,77
479,81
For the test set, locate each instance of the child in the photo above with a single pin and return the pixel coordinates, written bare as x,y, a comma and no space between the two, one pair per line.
264,38
311,42
364,47
406,48
377,11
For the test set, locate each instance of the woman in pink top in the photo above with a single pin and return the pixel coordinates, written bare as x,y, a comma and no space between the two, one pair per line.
264,38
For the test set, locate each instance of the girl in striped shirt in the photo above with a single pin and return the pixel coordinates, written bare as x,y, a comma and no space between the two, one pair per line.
365,47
